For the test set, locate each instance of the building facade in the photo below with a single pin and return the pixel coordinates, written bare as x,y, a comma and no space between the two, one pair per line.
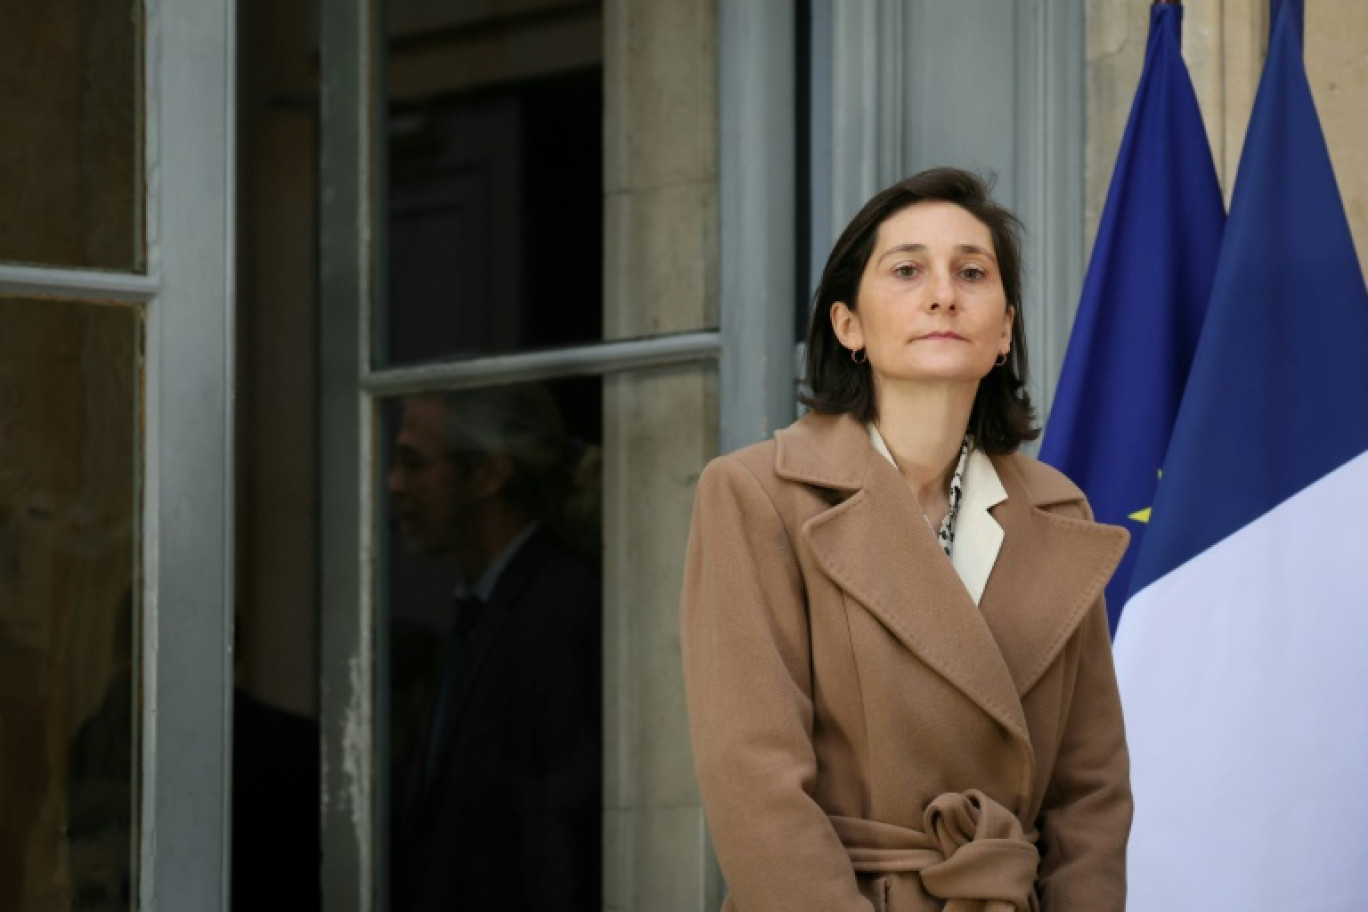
237,238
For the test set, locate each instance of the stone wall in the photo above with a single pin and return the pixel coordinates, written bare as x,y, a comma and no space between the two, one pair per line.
660,427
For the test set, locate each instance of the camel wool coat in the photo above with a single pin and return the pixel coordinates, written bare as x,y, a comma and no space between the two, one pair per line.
865,736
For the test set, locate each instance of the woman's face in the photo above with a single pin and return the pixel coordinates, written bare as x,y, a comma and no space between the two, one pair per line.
931,304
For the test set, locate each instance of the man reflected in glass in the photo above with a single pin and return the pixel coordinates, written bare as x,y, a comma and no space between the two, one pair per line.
497,796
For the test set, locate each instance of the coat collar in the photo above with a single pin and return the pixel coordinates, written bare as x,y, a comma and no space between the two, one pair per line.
978,537
874,546
1053,567
828,451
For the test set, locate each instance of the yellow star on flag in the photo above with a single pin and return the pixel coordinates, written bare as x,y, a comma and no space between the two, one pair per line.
1143,516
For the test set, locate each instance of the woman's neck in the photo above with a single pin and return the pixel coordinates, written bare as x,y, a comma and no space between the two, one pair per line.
924,427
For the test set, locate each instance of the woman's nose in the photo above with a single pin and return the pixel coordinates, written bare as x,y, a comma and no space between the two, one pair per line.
943,292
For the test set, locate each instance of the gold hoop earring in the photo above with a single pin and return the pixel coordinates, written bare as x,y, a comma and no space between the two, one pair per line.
1001,359
858,355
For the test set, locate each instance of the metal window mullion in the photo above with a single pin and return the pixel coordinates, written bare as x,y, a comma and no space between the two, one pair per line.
823,231
77,284
572,361
1051,167
350,35
187,554
757,185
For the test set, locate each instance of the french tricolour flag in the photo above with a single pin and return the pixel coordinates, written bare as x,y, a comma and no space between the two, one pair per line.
1242,652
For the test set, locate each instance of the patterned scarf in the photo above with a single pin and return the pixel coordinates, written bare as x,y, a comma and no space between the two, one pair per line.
947,526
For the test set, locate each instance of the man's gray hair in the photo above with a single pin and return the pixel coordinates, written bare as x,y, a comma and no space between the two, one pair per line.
522,423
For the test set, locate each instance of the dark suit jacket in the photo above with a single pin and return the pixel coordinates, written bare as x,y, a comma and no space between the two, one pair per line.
510,818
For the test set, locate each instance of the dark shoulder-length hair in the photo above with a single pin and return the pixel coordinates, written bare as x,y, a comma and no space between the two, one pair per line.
1002,417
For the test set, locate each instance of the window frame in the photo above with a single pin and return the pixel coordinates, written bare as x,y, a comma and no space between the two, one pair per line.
185,531
752,350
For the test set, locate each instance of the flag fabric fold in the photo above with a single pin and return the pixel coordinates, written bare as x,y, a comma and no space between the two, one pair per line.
1143,300
1242,654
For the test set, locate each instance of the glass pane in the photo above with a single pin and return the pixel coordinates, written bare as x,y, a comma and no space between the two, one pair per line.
70,112
495,152
70,381
494,601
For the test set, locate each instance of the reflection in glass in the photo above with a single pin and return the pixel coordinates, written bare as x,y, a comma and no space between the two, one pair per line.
495,600
68,603
496,219
70,112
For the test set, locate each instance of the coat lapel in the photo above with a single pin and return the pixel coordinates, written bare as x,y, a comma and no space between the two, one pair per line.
1050,571
876,547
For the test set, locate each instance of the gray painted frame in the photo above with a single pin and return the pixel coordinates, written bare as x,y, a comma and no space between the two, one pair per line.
758,183
1050,181
352,874
37,281
188,515
594,359
184,790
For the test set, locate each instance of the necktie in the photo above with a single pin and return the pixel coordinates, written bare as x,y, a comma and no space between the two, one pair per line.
468,610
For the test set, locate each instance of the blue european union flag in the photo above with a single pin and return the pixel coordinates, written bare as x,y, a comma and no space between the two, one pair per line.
1143,301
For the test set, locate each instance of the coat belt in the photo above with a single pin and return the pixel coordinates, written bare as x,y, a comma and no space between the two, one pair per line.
972,853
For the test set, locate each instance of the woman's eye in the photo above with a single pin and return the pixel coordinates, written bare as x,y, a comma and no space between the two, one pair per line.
974,273
905,271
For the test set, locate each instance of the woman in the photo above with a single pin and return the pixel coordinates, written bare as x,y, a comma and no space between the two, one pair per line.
896,654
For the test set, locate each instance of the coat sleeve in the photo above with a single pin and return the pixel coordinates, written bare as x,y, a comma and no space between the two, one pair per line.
747,673
1086,816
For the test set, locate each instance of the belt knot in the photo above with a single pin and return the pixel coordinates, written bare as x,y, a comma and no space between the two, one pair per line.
971,852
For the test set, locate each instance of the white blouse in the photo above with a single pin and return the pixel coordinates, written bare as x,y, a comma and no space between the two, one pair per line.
969,534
